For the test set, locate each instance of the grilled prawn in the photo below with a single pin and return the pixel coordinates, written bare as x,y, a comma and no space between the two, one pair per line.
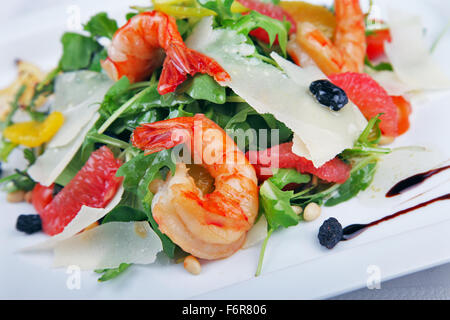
213,225
149,40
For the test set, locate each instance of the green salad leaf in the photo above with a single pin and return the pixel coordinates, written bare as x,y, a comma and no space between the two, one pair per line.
359,181
169,247
382,66
273,27
204,87
276,204
101,25
221,7
6,147
112,273
283,177
78,51
138,173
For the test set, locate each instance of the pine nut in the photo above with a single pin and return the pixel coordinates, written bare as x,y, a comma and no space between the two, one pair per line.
29,196
384,140
312,211
154,186
192,265
16,196
297,209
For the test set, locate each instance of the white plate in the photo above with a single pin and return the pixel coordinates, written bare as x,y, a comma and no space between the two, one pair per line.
295,265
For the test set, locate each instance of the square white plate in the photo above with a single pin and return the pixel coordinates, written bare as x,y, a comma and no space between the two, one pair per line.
295,266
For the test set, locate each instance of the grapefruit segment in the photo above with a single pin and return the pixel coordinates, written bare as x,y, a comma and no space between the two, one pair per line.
371,99
93,186
334,170
271,10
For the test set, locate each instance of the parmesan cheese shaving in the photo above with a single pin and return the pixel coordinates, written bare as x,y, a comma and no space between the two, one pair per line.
84,218
409,55
391,83
257,233
77,96
109,245
53,161
321,133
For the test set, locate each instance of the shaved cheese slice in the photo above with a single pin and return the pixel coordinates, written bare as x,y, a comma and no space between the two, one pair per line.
409,55
84,218
322,132
355,120
109,245
77,96
391,83
257,233
53,161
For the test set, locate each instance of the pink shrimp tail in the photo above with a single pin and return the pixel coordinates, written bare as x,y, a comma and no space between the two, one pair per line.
163,135
149,40
181,61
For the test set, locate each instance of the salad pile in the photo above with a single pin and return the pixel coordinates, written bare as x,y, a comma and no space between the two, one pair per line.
202,126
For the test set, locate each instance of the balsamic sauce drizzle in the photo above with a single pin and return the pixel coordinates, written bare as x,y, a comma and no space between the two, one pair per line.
354,230
413,181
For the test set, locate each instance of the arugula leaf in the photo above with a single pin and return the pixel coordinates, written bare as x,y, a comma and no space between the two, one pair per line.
29,155
367,143
273,27
221,7
95,64
138,173
277,206
163,159
14,108
129,209
115,96
382,66
77,51
129,105
204,87
6,147
101,25
109,274
19,181
134,170
93,136
75,164
283,177
168,246
358,181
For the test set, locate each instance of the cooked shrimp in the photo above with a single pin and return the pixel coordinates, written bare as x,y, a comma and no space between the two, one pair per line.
208,226
347,52
298,55
139,47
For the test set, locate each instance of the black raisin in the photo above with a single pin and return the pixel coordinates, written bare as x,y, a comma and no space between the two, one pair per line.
329,94
330,233
29,223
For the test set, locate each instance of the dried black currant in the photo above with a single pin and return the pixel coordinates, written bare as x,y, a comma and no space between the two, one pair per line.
29,223
330,233
329,94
